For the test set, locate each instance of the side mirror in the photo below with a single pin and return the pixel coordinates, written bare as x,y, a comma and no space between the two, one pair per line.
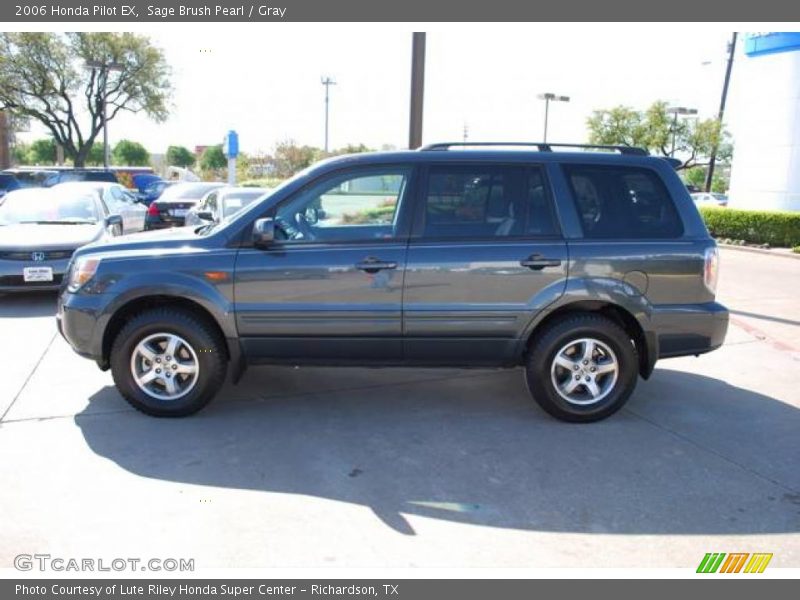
263,233
113,220
205,215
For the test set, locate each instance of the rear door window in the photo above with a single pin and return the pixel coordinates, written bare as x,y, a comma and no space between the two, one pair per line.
623,202
479,202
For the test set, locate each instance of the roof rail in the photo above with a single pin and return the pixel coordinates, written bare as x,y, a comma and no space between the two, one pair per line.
540,146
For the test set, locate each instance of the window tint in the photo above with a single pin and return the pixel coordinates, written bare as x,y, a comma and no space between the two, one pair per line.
347,207
487,202
623,202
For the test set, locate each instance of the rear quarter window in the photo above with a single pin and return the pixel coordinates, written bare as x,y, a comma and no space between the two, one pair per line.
623,202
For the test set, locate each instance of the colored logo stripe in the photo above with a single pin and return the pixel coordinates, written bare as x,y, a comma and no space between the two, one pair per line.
734,562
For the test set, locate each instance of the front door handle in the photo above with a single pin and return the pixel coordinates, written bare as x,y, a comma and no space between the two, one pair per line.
373,265
537,262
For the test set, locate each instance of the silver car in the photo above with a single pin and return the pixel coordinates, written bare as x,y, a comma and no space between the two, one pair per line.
222,203
116,197
40,229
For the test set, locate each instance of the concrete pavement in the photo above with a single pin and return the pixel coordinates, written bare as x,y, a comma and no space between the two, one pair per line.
409,467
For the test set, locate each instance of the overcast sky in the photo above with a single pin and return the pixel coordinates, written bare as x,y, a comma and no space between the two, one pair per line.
264,80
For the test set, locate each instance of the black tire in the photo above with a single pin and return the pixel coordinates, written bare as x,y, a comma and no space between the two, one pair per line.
209,350
561,333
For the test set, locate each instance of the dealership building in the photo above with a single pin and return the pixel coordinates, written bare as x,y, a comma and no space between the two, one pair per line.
765,173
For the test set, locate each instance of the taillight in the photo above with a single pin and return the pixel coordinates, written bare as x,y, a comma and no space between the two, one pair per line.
153,211
711,269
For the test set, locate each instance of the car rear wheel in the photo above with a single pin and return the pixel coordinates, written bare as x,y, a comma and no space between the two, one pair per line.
168,362
582,368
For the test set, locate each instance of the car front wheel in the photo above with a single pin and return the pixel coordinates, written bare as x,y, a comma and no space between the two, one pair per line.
168,362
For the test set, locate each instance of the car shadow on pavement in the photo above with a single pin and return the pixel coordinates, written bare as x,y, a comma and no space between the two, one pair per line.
29,304
690,454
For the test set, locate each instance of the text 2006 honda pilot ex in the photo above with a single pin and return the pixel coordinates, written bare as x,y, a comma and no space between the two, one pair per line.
582,267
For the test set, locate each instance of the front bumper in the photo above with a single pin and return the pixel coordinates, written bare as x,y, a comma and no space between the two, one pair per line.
81,321
12,280
689,329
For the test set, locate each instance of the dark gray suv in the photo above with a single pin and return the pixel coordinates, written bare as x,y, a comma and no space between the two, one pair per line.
583,267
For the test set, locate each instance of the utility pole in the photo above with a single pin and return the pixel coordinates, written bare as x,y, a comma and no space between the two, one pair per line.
327,82
417,90
105,68
550,97
466,131
712,161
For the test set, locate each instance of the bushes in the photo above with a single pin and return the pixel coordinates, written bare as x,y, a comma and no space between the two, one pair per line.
776,228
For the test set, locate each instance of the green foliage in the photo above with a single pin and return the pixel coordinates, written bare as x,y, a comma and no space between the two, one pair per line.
42,152
95,156
45,77
289,158
351,149
213,159
776,228
130,154
796,249
180,156
655,129
379,214
697,176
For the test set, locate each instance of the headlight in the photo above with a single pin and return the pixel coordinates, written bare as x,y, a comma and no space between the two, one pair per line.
82,271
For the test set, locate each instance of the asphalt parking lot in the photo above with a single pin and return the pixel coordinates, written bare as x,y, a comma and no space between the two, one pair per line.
360,467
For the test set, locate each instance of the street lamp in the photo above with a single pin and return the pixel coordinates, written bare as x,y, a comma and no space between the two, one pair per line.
105,68
327,82
548,98
675,111
712,161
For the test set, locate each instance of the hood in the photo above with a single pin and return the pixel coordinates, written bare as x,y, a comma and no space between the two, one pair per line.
48,237
179,239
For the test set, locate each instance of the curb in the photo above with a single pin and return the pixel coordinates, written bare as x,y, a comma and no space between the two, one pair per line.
788,254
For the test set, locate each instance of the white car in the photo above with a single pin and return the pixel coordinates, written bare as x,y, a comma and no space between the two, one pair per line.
710,199
116,197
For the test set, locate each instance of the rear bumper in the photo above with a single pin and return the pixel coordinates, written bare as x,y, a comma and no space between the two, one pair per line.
689,329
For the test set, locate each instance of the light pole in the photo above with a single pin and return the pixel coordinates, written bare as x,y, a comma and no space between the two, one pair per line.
418,41
548,98
712,160
327,82
675,111
105,68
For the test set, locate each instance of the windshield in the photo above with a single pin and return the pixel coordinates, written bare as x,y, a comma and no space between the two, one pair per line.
46,206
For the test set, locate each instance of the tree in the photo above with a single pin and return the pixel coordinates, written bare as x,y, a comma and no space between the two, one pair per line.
350,149
180,156
656,130
96,156
131,154
42,152
213,159
290,158
46,77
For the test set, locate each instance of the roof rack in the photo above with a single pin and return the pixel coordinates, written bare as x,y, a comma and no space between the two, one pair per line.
540,146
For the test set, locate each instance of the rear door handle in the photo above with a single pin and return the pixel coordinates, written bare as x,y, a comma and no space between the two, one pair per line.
373,265
537,262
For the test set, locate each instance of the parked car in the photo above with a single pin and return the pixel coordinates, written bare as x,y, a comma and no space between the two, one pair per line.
30,176
222,203
170,209
117,198
153,191
8,183
710,199
40,229
74,175
583,268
